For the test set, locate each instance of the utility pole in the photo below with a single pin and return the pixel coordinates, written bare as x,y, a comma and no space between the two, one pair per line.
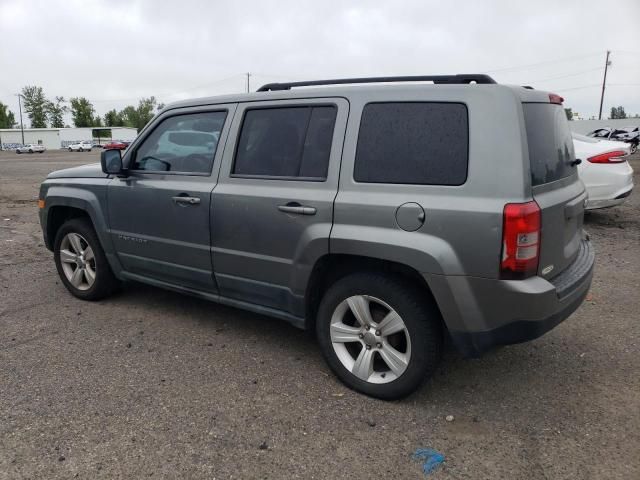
19,95
604,82
248,75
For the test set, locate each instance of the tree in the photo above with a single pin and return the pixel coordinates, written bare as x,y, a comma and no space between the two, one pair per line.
7,119
113,119
617,112
146,111
82,112
140,116
56,111
36,105
569,113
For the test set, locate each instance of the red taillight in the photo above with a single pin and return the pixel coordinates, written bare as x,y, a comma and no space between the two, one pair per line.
520,240
555,98
609,157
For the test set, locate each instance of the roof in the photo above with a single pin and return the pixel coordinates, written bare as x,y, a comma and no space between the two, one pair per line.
525,94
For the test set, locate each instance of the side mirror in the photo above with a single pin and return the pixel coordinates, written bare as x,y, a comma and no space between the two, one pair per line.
111,161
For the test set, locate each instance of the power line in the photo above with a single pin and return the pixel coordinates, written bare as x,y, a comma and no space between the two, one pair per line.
566,76
170,94
577,88
522,67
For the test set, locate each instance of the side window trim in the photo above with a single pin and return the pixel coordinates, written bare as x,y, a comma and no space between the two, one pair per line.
229,110
310,105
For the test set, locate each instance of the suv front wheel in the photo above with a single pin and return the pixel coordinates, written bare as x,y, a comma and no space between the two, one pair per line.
379,334
81,262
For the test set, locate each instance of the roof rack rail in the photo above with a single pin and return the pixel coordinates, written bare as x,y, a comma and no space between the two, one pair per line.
437,79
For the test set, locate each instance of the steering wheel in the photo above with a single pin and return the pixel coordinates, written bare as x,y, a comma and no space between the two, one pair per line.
150,158
196,162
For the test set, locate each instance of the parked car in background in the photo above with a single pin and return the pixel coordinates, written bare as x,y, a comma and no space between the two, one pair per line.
371,216
630,135
604,170
80,147
31,148
115,145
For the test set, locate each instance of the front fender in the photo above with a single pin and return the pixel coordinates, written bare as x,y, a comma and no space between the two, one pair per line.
90,197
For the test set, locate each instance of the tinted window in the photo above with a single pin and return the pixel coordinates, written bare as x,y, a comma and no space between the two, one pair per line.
184,143
550,142
286,142
413,143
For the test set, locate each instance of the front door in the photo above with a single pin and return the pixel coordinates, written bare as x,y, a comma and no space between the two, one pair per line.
159,212
272,208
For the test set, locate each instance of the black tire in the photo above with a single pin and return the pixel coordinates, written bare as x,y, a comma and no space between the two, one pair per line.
80,149
105,282
18,152
70,149
421,318
30,151
41,151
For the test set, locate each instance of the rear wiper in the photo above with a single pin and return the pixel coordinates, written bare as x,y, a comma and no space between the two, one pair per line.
577,161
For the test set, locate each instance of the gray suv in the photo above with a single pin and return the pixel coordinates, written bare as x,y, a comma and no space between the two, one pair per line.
383,215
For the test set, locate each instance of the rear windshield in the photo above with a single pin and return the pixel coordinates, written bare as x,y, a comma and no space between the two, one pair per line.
550,143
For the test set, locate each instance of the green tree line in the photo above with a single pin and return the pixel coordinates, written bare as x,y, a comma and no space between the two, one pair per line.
43,112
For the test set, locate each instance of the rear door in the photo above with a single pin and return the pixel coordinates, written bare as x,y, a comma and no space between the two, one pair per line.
555,185
272,209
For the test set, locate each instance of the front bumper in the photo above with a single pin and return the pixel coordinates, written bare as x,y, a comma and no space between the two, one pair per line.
482,313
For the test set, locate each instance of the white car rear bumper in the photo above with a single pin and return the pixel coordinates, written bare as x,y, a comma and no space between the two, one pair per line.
607,184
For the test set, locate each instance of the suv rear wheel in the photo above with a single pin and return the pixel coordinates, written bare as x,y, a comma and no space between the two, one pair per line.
81,262
379,335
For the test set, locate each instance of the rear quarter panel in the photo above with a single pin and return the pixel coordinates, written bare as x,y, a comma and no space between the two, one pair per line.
462,231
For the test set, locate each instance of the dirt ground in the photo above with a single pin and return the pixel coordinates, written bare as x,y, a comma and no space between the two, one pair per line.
153,384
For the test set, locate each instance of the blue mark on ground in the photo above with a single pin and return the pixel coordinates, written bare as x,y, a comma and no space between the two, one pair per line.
432,459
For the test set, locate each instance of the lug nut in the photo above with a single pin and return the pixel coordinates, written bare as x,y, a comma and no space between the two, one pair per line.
368,347
367,328
360,335
379,345
378,333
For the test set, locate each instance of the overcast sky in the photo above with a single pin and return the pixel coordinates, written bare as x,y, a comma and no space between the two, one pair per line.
115,51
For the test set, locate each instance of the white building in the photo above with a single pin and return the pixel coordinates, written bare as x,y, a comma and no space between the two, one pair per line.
54,138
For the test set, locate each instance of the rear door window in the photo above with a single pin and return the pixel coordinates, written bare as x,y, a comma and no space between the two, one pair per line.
286,142
550,143
424,143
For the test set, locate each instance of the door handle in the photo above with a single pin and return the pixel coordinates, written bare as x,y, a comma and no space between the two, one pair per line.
180,200
296,208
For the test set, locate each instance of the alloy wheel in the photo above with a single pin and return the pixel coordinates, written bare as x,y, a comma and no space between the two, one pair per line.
370,339
78,261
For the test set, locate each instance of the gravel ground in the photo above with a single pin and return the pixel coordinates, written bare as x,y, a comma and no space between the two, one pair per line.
153,384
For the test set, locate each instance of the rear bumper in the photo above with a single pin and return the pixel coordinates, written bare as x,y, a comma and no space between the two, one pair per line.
483,313
607,185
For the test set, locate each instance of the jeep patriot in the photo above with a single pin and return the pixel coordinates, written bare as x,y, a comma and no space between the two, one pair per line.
381,213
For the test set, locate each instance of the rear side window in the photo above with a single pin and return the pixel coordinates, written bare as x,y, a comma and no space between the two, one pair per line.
291,142
550,142
424,143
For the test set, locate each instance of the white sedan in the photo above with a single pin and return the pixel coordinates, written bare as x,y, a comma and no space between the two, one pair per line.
604,170
31,148
80,147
